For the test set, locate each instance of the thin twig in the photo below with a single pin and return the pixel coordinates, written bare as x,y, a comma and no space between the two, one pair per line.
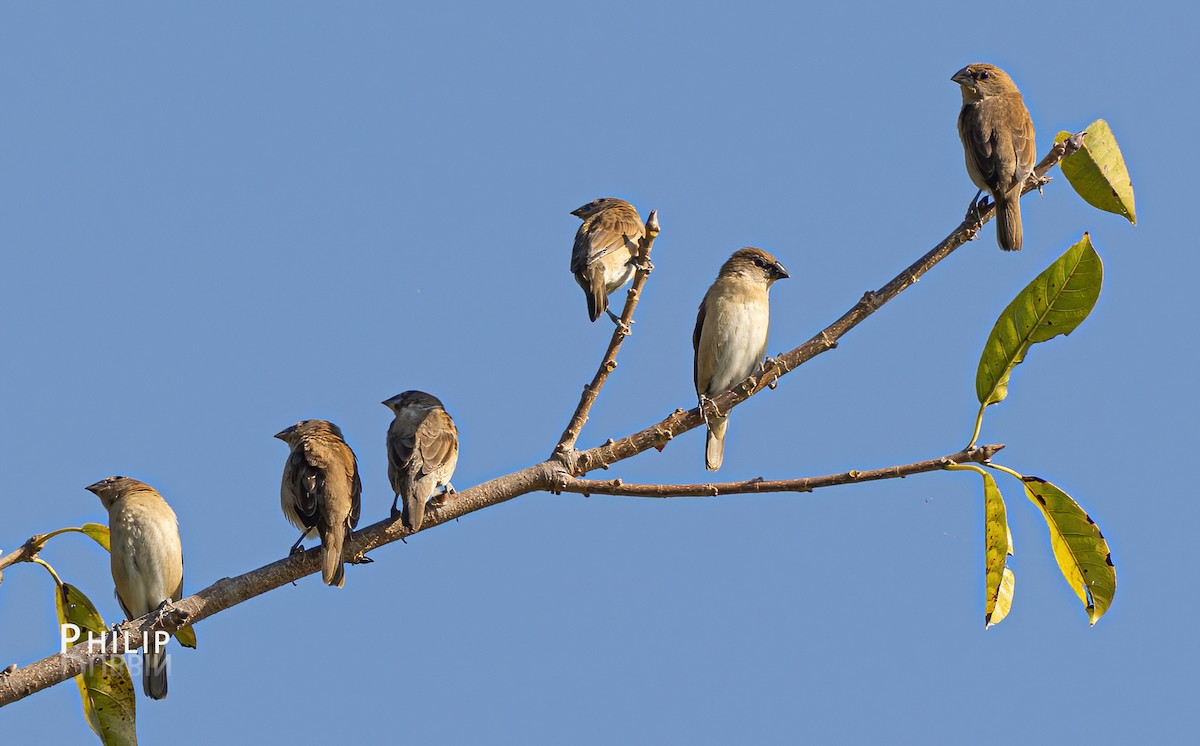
609,362
585,487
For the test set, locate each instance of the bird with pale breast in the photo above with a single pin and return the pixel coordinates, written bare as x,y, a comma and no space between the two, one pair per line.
422,449
730,339
146,556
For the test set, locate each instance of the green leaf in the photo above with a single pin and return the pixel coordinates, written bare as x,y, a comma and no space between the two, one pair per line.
97,531
997,547
109,704
1097,171
1079,546
186,636
1056,302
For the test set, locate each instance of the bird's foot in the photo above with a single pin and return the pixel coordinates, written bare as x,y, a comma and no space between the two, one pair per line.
160,614
620,324
762,371
704,400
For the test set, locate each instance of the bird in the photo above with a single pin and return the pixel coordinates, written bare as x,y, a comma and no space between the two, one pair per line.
422,449
321,491
730,339
147,562
998,144
603,258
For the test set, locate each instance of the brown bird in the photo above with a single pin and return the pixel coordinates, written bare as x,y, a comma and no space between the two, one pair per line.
997,138
422,447
731,334
605,247
321,491
147,562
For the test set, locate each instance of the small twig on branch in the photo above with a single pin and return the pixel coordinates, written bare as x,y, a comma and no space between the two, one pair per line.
24,553
591,391
978,454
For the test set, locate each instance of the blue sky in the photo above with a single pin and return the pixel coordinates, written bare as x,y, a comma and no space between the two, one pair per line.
220,219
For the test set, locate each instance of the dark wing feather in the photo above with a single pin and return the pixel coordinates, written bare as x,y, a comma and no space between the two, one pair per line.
979,144
355,493
307,481
696,342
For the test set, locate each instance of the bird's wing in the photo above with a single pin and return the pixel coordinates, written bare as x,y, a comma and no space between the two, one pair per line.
696,343
306,481
355,491
605,232
436,441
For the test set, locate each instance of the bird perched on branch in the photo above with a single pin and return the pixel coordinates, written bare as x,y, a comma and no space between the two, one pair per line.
321,491
997,138
422,448
147,562
731,334
605,248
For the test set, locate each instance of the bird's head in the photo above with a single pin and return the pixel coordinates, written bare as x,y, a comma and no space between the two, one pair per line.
413,400
295,433
980,80
595,206
755,264
111,489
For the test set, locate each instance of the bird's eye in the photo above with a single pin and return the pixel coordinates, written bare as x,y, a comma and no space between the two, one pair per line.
984,75
761,262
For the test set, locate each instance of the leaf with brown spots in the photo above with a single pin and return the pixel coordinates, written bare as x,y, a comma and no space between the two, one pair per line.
1079,547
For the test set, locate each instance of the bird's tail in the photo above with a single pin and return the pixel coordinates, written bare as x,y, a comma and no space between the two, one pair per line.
414,504
597,294
1008,221
154,671
714,448
333,569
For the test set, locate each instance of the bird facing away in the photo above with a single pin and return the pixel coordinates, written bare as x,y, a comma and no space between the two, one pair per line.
147,561
605,246
422,449
997,137
731,334
321,491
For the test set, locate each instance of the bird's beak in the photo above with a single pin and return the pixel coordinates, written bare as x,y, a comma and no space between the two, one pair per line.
962,77
282,434
93,487
780,272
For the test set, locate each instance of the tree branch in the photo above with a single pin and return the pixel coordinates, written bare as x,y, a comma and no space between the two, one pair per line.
548,475
587,487
609,362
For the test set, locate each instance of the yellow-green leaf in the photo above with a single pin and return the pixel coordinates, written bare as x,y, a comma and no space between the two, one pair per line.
186,636
1056,302
1005,597
106,690
98,532
1079,546
1097,171
996,547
